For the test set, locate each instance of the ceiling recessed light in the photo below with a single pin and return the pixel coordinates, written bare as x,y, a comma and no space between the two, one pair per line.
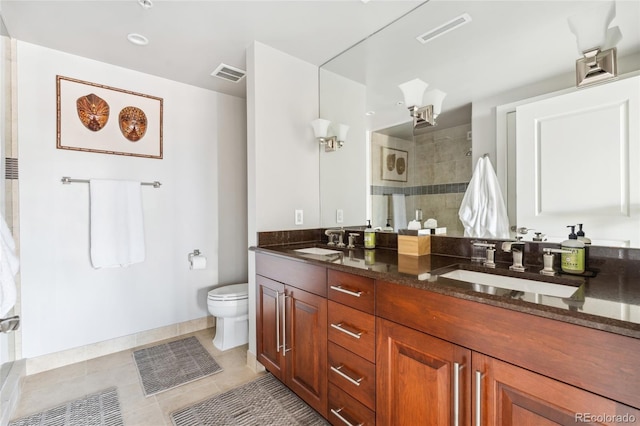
138,39
146,4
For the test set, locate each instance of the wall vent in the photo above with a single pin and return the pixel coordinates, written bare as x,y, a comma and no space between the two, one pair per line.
11,168
444,28
229,73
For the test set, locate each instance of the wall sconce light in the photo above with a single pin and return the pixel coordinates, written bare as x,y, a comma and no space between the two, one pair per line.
596,41
415,98
331,143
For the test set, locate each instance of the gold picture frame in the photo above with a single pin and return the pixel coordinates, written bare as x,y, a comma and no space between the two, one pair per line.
93,117
395,164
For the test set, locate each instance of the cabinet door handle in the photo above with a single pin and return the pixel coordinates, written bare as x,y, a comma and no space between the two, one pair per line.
338,370
284,324
344,290
336,412
340,327
277,320
456,394
478,397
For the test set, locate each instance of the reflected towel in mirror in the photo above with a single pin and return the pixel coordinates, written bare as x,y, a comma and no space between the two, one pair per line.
482,212
399,212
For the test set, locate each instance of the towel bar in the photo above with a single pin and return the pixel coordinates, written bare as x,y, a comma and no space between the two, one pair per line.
67,180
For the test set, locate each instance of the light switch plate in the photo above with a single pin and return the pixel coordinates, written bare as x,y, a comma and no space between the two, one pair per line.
299,219
339,216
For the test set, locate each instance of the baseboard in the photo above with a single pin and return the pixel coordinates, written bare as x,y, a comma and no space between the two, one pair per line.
253,364
83,353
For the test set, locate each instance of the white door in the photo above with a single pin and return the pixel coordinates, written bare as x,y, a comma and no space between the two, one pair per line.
578,161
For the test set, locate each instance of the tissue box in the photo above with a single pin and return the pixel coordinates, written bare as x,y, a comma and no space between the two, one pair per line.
414,243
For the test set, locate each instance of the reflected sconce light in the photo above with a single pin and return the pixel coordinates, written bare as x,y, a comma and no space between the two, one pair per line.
423,107
596,42
321,131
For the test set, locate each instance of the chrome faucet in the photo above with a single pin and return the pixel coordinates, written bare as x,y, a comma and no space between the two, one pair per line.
331,233
517,248
352,240
488,260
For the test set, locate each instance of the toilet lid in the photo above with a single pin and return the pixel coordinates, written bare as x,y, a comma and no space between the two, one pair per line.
229,292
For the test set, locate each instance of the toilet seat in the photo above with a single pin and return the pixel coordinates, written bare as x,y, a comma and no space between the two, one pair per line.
229,293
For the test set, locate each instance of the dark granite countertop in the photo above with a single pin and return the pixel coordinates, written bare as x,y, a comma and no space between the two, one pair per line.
609,301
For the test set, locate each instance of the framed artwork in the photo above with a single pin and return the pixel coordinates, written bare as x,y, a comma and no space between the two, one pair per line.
394,164
97,118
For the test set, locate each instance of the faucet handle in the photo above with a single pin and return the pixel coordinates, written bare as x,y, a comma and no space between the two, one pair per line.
352,240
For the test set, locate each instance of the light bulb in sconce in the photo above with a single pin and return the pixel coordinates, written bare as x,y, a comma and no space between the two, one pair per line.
424,108
321,131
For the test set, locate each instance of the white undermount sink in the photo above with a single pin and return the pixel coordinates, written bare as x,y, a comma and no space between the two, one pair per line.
322,254
317,250
511,283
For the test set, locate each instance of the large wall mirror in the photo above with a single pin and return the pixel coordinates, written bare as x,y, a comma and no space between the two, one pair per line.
483,55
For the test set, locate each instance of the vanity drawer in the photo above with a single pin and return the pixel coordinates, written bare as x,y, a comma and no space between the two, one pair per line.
344,409
353,374
352,290
352,329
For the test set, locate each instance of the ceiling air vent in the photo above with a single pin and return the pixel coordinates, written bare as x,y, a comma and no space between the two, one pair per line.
229,73
444,28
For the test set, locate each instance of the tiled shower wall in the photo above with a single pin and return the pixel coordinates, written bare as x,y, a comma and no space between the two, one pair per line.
438,174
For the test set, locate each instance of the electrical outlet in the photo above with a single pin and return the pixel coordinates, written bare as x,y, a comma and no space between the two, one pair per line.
339,216
299,217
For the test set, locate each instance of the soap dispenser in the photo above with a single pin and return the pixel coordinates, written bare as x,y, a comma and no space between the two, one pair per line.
573,254
369,236
581,235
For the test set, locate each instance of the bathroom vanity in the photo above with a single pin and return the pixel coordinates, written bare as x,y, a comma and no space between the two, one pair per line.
391,342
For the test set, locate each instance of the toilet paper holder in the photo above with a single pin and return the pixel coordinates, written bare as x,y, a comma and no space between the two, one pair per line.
196,252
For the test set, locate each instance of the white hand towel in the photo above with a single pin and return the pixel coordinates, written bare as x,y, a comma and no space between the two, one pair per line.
9,266
482,212
399,212
117,228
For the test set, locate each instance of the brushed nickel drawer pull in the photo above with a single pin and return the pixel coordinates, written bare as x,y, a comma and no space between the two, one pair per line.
277,321
478,398
456,394
344,290
338,370
336,412
339,327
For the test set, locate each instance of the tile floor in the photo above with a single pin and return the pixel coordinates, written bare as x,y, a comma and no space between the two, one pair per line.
51,388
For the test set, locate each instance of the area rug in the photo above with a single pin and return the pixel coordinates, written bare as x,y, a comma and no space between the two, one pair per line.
166,366
264,401
97,409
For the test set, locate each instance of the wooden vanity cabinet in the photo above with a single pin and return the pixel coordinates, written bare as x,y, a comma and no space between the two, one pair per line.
292,326
504,394
422,380
351,356
512,368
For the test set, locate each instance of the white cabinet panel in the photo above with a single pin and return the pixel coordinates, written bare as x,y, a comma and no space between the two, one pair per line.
578,161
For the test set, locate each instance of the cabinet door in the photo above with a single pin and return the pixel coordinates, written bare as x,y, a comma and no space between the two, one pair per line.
508,395
421,380
268,325
306,347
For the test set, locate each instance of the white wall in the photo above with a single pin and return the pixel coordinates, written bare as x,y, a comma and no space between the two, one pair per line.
343,172
282,154
65,302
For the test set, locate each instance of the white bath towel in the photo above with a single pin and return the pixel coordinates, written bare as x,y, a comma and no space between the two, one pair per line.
399,212
482,212
117,228
9,266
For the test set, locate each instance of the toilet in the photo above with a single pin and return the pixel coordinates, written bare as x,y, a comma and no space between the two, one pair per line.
230,305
